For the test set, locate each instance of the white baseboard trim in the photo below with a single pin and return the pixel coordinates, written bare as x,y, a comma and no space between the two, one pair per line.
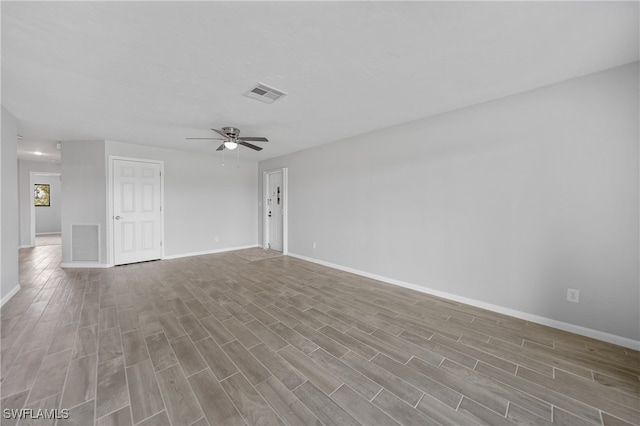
200,253
84,265
9,295
572,328
26,246
48,233
173,256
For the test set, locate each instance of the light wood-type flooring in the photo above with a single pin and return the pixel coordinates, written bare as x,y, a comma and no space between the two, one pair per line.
248,337
48,239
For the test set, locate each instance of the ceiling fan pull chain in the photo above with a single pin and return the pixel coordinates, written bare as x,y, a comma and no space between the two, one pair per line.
238,157
223,157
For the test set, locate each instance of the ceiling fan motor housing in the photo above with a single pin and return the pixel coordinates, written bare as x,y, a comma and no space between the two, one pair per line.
232,132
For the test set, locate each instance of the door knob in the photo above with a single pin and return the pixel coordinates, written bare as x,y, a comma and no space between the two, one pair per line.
118,217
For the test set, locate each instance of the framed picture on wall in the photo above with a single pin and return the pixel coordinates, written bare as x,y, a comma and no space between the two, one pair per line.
42,195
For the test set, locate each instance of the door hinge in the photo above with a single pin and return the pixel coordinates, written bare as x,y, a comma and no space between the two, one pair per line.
160,208
160,174
160,243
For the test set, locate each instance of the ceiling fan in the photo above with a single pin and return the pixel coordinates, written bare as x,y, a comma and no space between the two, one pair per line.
231,138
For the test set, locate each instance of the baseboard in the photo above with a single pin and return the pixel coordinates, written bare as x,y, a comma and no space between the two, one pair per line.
200,253
84,265
572,328
173,256
26,246
48,233
9,295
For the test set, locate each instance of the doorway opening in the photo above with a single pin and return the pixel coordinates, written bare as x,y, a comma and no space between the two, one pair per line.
275,220
45,208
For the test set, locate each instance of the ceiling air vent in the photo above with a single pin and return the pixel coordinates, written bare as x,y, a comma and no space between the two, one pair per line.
265,93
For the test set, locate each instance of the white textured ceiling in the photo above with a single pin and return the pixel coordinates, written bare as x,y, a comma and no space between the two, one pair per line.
156,72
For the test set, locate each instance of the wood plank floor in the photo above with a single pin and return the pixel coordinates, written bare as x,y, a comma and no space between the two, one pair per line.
251,337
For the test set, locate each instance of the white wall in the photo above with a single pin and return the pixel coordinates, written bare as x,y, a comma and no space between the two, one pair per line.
506,203
83,191
9,221
24,169
202,199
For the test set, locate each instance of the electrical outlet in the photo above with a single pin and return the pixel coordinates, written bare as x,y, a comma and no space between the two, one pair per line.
216,239
314,245
573,295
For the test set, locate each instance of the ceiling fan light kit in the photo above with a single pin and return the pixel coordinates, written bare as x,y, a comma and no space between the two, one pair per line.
230,145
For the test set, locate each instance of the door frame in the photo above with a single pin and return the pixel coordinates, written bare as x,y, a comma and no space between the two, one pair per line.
32,207
285,208
110,214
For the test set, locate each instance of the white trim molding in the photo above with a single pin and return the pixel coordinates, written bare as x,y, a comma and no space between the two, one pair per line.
173,256
285,208
9,295
200,253
85,265
572,328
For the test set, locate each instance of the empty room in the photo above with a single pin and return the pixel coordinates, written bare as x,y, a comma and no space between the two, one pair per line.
320,213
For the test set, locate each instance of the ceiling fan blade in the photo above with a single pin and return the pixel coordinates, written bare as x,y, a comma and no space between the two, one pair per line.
221,133
253,139
248,145
213,139
220,148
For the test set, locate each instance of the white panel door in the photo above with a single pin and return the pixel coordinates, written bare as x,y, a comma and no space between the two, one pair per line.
275,203
137,216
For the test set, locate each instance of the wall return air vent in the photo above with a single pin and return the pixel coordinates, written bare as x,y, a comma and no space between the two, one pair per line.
264,93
